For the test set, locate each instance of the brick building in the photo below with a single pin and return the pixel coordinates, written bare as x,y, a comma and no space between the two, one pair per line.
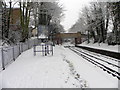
15,27
15,19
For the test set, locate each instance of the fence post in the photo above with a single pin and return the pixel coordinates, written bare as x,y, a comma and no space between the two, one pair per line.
28,44
3,64
42,50
45,50
13,53
52,49
34,50
19,49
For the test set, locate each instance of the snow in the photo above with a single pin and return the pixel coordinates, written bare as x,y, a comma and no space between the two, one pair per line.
64,69
37,71
42,36
33,38
95,77
103,61
5,45
102,46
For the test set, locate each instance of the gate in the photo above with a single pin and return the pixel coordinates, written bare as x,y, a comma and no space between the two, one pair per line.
44,48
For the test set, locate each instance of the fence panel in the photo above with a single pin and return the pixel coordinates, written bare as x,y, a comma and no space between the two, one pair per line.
30,43
8,55
11,53
16,51
44,48
25,46
21,47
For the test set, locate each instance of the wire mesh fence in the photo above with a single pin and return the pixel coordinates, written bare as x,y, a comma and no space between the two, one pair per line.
44,48
9,54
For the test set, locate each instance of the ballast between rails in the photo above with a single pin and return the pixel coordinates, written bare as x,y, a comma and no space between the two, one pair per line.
105,68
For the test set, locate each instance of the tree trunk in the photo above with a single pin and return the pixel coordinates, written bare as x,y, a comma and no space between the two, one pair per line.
88,41
8,22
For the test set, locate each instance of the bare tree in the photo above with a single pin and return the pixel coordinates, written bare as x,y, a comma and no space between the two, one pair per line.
115,13
25,10
48,13
95,20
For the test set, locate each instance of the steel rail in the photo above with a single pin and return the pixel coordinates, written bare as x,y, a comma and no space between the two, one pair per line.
105,68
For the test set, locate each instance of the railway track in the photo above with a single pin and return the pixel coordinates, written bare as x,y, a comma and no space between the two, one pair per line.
100,55
115,55
104,65
115,65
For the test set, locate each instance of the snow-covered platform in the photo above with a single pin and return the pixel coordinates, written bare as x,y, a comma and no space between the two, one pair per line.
102,46
64,69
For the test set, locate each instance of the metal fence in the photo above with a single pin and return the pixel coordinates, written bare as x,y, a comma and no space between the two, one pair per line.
9,54
44,48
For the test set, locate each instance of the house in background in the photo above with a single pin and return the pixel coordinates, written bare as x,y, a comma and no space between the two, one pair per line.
15,26
15,19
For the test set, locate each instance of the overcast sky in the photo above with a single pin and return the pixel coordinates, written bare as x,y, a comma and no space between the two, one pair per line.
72,8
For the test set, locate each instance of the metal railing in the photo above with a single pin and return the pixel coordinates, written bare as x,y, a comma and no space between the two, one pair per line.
44,48
9,54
